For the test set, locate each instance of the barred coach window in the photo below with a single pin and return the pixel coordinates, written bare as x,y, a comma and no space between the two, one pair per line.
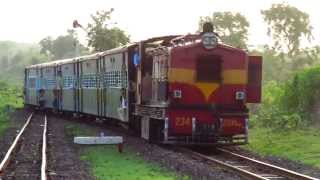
208,69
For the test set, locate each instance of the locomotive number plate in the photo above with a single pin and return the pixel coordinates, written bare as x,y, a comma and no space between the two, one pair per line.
232,123
183,121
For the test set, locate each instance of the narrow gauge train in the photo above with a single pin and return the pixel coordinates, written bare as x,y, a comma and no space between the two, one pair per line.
187,90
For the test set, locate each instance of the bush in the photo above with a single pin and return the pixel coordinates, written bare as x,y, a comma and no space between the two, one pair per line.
289,105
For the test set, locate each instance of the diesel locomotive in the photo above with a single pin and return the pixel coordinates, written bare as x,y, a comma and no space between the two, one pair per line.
185,90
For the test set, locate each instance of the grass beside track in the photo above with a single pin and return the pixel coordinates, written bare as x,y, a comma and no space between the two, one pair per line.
10,98
107,163
297,145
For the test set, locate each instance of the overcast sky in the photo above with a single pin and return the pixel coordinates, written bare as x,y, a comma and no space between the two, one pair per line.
31,20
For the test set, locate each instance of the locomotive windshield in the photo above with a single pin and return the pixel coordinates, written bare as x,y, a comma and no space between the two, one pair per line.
209,69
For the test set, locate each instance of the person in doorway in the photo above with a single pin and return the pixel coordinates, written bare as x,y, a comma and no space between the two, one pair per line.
136,57
123,99
42,101
55,102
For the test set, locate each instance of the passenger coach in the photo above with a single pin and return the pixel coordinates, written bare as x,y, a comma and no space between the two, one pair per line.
189,90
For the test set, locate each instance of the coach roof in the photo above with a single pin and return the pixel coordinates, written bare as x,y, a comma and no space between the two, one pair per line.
51,63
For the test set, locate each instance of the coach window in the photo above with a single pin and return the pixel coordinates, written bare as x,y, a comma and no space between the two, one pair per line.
208,69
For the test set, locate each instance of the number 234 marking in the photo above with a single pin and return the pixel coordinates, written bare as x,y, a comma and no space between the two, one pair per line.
183,121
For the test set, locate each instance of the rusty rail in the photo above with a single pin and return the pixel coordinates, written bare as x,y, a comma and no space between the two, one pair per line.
279,172
242,172
7,157
44,150
276,169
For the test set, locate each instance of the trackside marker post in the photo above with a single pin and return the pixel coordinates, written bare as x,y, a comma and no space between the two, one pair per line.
116,140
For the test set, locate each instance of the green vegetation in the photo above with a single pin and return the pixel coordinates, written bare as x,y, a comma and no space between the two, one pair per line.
299,145
10,98
290,105
107,163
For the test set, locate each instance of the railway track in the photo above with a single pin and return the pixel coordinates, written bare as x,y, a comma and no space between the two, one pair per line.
26,158
247,167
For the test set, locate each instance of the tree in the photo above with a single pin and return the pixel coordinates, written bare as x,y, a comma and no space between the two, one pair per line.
287,25
46,45
231,27
62,46
102,37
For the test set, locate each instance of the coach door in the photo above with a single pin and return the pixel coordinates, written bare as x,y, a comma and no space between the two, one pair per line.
89,81
68,88
49,76
31,93
115,77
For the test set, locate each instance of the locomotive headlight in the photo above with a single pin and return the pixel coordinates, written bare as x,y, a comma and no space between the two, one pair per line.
177,94
209,40
240,95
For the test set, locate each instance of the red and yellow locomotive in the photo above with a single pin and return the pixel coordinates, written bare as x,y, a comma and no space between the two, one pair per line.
198,90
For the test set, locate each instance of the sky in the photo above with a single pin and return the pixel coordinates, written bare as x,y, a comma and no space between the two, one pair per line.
29,21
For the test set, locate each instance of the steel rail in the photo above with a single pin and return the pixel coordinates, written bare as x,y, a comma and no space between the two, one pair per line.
6,159
242,172
44,151
281,171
